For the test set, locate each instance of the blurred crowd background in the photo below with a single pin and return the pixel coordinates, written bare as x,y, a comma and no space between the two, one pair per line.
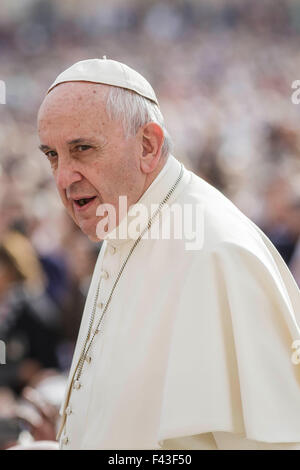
222,70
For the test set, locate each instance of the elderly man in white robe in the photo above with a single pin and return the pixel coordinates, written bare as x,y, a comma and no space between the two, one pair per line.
186,342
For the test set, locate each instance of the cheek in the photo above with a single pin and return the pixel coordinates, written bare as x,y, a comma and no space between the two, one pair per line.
62,195
68,204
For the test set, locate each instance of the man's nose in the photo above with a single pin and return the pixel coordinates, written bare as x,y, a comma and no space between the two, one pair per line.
66,174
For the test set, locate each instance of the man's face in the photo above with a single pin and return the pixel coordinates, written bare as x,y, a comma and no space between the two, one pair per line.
91,160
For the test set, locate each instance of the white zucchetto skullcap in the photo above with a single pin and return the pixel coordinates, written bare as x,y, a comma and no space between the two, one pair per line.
108,72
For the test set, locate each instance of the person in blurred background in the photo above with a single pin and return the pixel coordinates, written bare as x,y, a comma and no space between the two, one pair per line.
29,320
230,305
29,326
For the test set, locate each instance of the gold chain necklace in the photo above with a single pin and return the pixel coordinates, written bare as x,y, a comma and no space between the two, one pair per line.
87,345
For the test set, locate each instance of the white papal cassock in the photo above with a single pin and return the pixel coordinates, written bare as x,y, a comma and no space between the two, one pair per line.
195,348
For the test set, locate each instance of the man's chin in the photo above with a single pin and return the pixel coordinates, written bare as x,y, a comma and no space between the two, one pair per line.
95,230
93,238
90,232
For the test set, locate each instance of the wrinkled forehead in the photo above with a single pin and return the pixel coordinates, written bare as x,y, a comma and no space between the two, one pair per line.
74,97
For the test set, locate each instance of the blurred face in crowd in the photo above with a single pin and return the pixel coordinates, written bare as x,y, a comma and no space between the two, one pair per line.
91,160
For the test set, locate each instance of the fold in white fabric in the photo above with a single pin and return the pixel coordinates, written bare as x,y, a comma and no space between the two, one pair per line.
224,441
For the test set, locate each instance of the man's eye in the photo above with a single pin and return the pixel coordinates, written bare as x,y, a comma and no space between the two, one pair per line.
82,148
51,154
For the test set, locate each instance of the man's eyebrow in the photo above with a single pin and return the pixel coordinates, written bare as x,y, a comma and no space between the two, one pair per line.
43,148
80,140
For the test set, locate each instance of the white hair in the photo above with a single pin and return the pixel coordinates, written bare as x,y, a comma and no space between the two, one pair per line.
135,111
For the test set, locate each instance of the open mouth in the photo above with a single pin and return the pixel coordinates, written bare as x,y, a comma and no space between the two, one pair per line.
84,201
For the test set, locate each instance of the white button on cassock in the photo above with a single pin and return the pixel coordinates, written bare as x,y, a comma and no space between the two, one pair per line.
77,384
68,410
112,249
104,275
65,440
